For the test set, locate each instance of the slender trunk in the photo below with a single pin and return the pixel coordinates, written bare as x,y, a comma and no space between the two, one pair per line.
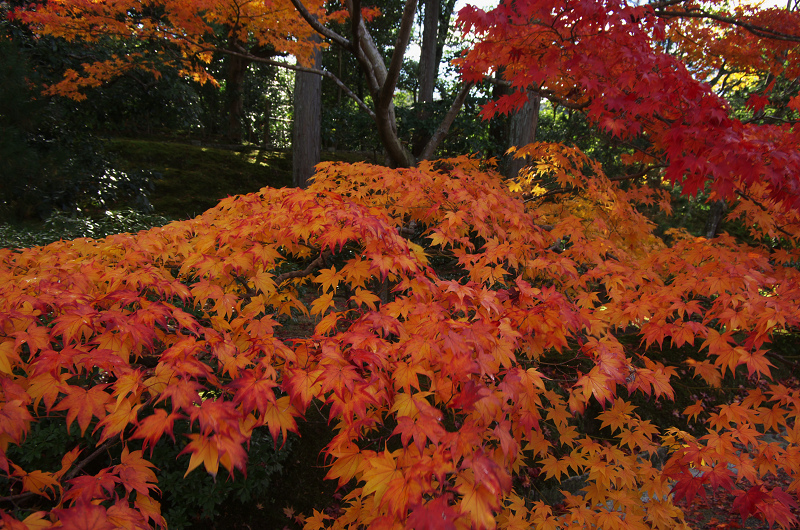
428,68
715,218
522,131
234,89
306,126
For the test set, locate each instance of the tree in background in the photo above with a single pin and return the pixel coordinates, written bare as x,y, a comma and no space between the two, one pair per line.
52,159
306,135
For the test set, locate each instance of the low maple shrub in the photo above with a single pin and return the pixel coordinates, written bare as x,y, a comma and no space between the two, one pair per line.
464,333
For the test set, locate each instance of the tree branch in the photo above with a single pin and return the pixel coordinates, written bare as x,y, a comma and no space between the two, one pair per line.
83,463
559,191
638,174
764,208
297,68
319,28
444,127
759,31
355,24
314,265
396,64
547,94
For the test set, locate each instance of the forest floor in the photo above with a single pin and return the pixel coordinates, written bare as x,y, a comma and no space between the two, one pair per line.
195,176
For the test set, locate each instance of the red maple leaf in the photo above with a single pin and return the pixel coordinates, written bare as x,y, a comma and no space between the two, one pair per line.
84,516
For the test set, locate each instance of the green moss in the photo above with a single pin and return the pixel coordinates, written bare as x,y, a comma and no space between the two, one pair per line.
195,178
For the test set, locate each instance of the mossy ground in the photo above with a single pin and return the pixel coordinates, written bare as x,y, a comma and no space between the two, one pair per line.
195,177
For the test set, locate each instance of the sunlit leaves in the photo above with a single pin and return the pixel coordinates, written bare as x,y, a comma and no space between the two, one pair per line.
446,387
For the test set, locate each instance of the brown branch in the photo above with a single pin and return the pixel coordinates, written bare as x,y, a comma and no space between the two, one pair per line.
298,68
631,176
319,28
545,93
444,127
759,31
399,52
638,174
743,195
18,497
314,265
73,472
83,463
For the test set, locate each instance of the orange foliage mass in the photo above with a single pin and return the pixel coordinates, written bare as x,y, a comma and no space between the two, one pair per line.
453,365
439,295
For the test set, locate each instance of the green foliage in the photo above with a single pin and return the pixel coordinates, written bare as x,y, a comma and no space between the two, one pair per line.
184,502
50,160
63,226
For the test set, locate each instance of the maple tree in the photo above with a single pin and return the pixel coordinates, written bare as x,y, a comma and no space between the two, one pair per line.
189,33
466,327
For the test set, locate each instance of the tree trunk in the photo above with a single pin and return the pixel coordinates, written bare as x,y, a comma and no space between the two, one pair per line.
715,218
234,89
428,68
307,122
522,131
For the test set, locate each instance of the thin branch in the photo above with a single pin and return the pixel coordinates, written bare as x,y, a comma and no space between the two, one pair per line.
319,28
764,208
444,127
552,98
314,265
550,193
759,31
559,191
73,472
396,64
666,3
83,463
297,68
18,497
547,94
638,174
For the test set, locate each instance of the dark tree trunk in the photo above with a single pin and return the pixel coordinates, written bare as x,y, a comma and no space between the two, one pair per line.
522,131
428,69
307,122
715,218
234,89
428,65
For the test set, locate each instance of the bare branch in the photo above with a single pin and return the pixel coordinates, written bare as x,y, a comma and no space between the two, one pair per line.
319,28
638,174
360,43
86,461
297,68
559,191
745,196
314,265
441,131
396,64
759,31
547,94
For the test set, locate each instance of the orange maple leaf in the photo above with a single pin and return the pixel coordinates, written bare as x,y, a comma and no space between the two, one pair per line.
84,403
